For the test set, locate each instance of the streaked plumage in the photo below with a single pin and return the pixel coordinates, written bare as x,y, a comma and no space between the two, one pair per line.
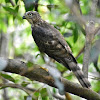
50,41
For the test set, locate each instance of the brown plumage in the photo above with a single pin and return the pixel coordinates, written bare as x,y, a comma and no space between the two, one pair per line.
50,41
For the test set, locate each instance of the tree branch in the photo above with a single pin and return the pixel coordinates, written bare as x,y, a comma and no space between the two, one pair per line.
97,30
80,52
29,91
91,30
75,9
38,74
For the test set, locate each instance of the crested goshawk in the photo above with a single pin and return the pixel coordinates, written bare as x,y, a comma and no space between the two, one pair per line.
50,41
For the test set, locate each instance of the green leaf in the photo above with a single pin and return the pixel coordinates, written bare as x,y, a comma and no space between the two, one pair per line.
69,44
29,4
3,87
10,10
8,77
43,91
25,97
51,1
54,90
24,84
36,94
69,77
17,8
16,1
7,1
96,86
44,94
29,64
16,11
75,34
60,67
37,55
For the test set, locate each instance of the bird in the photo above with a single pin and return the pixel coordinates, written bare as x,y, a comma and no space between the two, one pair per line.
51,42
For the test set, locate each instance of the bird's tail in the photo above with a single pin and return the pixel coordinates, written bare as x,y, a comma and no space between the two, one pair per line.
79,74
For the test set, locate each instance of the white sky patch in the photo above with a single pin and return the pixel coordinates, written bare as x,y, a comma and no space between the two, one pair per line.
3,63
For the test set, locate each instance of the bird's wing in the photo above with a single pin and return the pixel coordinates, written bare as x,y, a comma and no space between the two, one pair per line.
52,43
58,37
61,44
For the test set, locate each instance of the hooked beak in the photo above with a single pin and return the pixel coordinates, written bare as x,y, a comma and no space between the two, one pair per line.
24,17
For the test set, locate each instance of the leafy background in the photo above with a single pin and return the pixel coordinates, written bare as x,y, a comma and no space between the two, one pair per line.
16,42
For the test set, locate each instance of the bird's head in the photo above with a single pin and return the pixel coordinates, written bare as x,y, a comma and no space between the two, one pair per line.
32,17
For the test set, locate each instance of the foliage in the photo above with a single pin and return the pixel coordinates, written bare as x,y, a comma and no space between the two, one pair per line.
22,46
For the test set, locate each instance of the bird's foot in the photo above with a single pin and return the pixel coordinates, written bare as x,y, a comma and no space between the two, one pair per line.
44,69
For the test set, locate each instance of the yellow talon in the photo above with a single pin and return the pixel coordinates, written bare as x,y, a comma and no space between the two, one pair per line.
44,69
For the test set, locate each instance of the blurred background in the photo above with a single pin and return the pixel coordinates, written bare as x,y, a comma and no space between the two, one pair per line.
16,42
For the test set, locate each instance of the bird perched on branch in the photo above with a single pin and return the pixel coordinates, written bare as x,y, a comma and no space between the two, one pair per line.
50,41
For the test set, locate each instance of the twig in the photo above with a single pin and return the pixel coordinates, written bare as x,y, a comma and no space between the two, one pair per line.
80,52
76,12
5,91
36,5
12,3
29,91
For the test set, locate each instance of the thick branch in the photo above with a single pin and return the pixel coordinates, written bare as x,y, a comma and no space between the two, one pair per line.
89,37
39,74
93,8
90,33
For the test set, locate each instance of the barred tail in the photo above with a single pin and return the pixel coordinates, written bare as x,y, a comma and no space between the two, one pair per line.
79,74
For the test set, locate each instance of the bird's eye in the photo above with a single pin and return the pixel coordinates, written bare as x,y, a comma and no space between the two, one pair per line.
30,14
